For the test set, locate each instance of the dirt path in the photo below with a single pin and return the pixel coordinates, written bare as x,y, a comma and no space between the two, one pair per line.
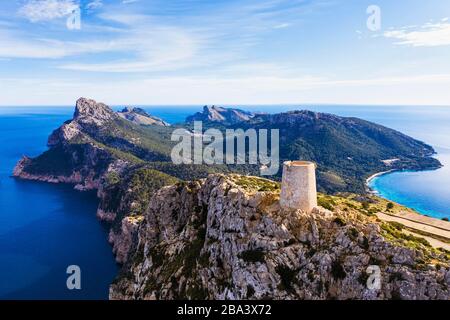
434,242
424,224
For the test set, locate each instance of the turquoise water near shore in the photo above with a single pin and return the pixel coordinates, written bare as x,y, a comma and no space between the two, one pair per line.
427,192
44,228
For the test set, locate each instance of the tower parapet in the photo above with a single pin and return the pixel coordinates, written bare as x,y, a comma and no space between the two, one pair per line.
298,187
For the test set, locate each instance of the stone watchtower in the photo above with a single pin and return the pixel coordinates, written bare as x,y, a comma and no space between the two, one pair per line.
298,188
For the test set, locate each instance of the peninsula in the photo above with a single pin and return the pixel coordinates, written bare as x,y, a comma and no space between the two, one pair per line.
216,232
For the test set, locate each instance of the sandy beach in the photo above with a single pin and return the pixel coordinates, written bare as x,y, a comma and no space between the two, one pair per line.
369,189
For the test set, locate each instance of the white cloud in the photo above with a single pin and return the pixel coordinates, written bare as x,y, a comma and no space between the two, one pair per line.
146,43
166,44
46,10
149,47
144,46
428,35
95,4
14,45
423,89
282,26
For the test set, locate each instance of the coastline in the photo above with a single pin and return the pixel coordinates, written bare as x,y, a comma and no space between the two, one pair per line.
375,175
436,231
378,174
382,173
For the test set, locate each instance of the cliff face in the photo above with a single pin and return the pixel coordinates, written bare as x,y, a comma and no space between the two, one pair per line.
97,150
226,238
73,157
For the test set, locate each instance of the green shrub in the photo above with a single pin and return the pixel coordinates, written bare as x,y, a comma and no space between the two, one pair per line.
389,206
253,256
326,202
287,275
365,205
339,221
337,270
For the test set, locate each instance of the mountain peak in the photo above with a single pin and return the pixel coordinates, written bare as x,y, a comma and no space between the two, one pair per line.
221,114
140,116
135,110
89,110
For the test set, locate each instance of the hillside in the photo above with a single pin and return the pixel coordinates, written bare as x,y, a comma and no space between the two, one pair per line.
347,150
126,162
226,237
223,238
139,116
221,115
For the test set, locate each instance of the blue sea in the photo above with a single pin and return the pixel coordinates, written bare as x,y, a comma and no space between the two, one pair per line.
45,228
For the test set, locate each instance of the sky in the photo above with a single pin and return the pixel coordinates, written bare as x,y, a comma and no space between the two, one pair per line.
192,52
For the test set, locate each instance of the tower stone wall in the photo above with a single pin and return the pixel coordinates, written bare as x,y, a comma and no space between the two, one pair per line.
298,187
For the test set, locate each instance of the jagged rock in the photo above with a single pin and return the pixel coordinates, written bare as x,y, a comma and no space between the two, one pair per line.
140,116
122,241
219,114
215,239
106,217
65,133
91,112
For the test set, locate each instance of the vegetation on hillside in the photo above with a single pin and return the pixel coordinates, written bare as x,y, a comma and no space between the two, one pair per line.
346,150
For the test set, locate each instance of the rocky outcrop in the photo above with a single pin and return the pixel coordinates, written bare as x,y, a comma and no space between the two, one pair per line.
221,238
123,239
141,117
219,114
89,111
82,166
88,117
78,152
94,151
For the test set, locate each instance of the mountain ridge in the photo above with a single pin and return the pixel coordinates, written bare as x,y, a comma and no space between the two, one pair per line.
221,115
127,163
347,150
140,116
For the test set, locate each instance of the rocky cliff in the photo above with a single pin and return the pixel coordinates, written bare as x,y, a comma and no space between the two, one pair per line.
74,156
99,150
226,237
140,116
221,115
